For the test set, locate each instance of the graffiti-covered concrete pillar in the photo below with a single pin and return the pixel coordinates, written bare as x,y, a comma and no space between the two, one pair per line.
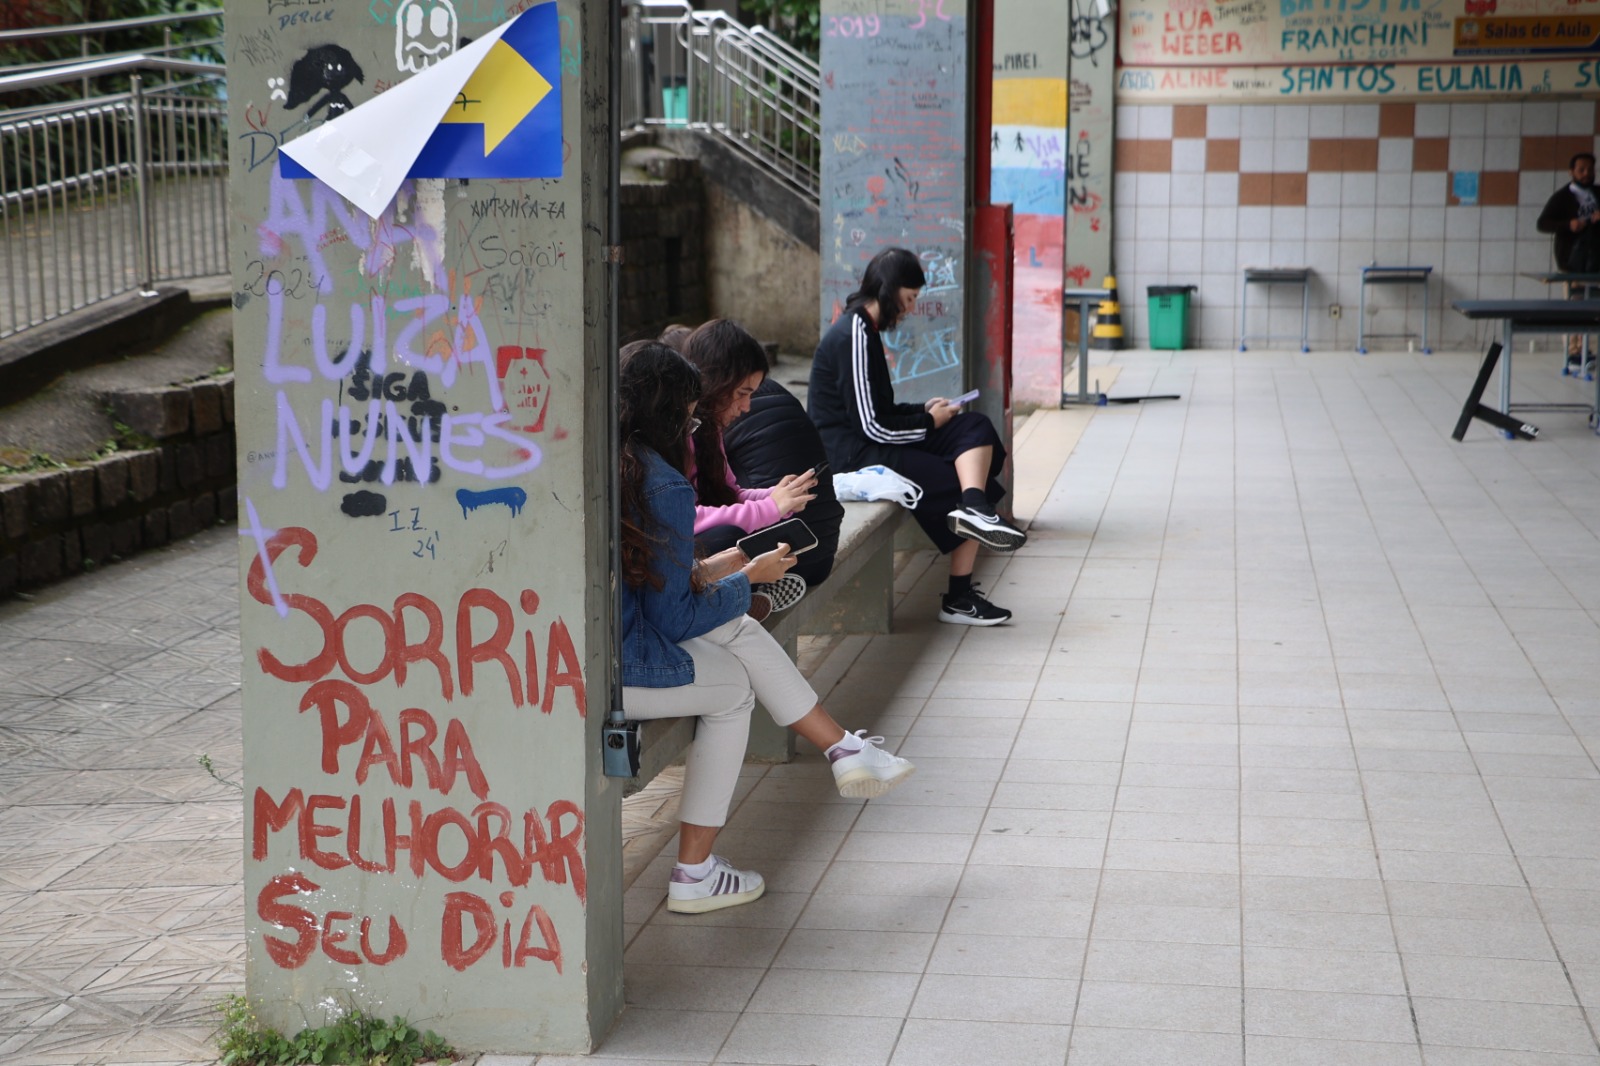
423,457
894,172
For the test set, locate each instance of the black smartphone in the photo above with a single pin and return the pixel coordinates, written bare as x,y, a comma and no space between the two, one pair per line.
793,532
820,469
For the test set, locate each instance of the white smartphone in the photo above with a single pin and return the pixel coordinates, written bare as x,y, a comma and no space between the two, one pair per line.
964,399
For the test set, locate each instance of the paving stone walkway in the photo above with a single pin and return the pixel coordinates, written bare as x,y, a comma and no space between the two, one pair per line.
1290,760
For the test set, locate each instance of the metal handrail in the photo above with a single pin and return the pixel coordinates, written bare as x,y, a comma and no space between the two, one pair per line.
746,86
96,68
110,25
107,195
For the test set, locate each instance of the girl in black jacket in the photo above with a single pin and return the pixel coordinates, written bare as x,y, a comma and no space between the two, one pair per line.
954,455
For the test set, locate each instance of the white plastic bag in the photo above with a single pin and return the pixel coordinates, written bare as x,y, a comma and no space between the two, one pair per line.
877,483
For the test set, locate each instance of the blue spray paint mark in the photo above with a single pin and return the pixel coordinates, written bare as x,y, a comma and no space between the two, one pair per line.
511,496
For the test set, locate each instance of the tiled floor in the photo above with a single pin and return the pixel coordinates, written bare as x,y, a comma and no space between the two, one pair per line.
1289,759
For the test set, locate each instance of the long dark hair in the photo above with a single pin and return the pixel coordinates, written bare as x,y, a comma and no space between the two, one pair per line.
725,354
890,271
655,387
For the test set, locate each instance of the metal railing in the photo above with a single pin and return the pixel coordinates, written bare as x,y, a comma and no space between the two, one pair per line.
113,193
177,40
702,70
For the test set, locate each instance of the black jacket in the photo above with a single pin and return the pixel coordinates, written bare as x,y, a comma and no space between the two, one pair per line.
1556,219
852,399
774,439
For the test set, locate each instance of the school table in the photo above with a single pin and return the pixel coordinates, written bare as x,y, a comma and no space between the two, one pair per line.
1522,316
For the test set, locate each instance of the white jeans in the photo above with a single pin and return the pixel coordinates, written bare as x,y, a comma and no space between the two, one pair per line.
734,664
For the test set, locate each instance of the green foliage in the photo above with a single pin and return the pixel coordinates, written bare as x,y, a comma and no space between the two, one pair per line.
797,21
355,1038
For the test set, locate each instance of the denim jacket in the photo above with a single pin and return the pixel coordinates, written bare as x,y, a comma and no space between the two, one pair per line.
655,623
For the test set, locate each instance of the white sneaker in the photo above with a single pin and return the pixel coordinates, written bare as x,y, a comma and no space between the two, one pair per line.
869,772
722,887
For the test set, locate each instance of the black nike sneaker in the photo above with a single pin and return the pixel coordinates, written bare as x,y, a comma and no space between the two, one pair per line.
970,608
986,527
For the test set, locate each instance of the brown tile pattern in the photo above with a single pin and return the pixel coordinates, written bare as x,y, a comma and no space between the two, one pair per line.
1430,154
1333,155
1336,154
1189,120
1222,156
1397,120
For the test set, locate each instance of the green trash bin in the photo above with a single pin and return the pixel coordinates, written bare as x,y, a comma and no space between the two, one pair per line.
1169,316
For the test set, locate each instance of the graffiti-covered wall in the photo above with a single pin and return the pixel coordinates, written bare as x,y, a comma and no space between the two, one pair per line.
422,448
1029,157
894,158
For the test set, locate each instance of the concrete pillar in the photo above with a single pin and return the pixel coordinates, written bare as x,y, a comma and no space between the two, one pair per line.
895,172
424,453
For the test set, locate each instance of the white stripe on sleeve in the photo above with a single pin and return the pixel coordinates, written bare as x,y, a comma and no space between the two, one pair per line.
858,367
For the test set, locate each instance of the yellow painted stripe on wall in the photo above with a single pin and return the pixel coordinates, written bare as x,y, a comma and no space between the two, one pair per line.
1030,101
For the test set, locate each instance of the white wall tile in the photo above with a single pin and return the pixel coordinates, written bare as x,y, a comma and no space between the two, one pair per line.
1322,223
1462,223
1188,155
1391,251
1429,188
1394,189
1540,118
1467,120
1150,223
1359,189
1392,222
1185,257
1122,187
1220,224
1361,120
1287,253
1127,122
1152,190
1155,122
1534,255
1460,258
1222,190
1499,224
1525,288
1426,253
1255,156
1220,256
1288,223
1528,219
1466,153
1494,257
1353,255
1186,225
1357,222
1427,223
1323,190
1394,154
1290,120
1502,153
1503,120
1188,191
1535,187
1323,257
1289,153
1255,223
1433,120
1222,121
1256,122
1575,118
1254,254
1327,120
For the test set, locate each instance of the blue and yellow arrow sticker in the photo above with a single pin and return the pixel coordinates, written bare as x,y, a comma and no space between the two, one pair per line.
506,120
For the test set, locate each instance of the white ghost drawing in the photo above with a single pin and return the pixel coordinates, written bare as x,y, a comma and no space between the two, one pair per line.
424,33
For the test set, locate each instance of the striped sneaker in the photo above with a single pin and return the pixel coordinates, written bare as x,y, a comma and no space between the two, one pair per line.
867,771
722,887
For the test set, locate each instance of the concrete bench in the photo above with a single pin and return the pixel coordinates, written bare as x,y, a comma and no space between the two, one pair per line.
858,597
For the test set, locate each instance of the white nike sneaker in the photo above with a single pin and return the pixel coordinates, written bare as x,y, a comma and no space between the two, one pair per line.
868,772
722,887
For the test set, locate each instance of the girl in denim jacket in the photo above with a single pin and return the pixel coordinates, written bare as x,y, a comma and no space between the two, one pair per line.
688,648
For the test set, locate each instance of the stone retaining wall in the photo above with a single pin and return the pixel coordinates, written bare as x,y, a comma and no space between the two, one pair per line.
57,522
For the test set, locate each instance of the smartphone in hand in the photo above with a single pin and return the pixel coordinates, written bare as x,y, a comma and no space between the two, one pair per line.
793,532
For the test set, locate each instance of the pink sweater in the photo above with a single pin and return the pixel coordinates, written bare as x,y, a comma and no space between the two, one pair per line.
755,509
